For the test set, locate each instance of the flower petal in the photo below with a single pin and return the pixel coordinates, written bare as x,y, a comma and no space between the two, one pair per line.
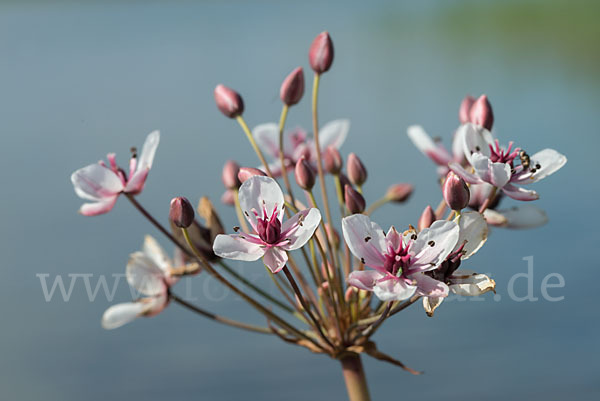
148,151
549,161
144,275
334,133
427,146
499,174
95,182
153,250
365,239
96,208
474,230
137,181
523,216
260,192
520,193
236,246
120,314
365,279
464,174
393,290
433,245
429,286
300,228
476,140
494,218
430,304
267,139
468,283
275,258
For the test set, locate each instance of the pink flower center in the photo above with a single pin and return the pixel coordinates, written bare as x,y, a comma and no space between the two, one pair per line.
397,260
500,155
269,228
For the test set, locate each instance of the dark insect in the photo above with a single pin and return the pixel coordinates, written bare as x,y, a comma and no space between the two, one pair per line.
525,161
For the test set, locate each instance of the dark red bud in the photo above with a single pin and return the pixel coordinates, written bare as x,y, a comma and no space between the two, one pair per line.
230,175
399,192
357,173
455,191
181,212
320,55
229,101
464,112
332,160
305,177
481,113
247,172
292,87
427,218
354,201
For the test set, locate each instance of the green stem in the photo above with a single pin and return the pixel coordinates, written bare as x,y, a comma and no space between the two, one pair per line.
250,137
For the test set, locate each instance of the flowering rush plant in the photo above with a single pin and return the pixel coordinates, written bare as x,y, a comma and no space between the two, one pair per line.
334,291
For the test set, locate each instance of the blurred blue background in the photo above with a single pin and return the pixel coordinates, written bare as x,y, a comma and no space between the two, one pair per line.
80,79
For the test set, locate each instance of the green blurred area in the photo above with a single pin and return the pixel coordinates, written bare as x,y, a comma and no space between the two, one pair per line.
566,30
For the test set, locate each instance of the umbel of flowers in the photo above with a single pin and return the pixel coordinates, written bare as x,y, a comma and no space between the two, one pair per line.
334,291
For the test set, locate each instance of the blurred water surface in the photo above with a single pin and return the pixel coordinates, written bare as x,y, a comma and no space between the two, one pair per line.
81,79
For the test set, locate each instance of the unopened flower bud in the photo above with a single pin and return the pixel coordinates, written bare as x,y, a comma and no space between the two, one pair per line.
343,182
455,191
399,192
181,212
247,172
427,218
357,173
354,201
332,160
230,175
481,113
305,177
320,55
464,112
229,101
292,87
348,294
228,198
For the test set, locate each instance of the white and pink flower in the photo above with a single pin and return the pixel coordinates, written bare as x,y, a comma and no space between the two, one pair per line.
296,143
399,260
102,184
262,202
435,150
473,234
148,272
495,165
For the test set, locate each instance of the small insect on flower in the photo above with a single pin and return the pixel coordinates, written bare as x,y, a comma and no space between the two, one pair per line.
262,202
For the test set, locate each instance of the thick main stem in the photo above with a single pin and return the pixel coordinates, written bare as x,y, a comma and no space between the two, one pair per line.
354,376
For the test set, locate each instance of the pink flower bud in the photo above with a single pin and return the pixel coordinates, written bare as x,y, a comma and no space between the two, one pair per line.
354,201
229,101
305,177
230,175
181,212
320,55
399,192
227,198
332,160
348,294
481,113
427,218
357,173
247,172
343,182
292,87
455,191
464,112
